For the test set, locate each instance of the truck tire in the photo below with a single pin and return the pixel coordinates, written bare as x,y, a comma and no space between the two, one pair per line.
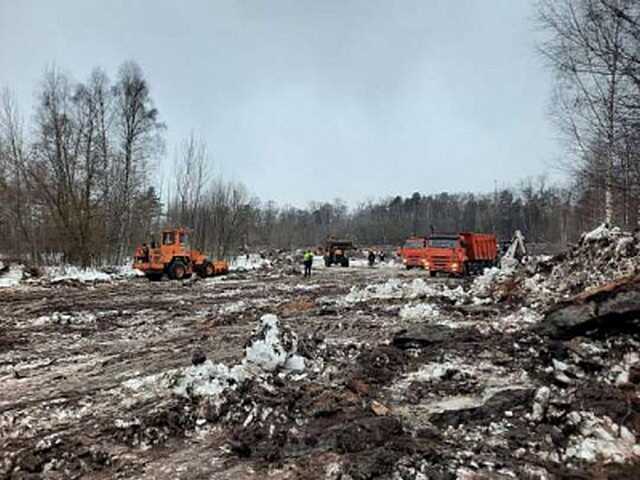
345,262
177,270
327,262
207,270
408,267
154,277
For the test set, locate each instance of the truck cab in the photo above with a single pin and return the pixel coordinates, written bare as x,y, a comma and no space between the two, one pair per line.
413,252
336,252
444,253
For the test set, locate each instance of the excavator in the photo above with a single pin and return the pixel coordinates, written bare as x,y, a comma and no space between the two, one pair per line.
175,258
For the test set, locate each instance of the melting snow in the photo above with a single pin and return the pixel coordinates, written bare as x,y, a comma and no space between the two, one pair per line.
272,347
253,261
600,439
13,277
71,273
418,311
395,289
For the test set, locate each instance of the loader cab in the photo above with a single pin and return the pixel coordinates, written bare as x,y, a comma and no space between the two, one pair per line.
168,237
179,238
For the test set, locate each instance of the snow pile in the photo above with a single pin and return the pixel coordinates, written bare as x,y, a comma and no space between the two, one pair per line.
602,232
75,274
418,311
253,261
483,285
12,277
395,289
208,380
599,438
271,348
126,272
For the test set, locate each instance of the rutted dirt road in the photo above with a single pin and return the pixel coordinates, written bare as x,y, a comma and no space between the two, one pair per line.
404,377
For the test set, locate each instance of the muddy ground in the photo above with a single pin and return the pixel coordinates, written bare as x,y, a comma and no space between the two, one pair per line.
419,385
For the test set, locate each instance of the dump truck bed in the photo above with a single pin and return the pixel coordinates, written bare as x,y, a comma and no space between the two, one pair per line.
480,246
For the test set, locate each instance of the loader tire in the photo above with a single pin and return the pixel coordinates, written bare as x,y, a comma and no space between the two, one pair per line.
177,271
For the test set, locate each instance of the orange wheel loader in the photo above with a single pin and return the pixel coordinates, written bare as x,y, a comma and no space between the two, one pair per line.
175,258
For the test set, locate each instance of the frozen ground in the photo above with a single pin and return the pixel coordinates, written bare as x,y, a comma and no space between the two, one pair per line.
356,373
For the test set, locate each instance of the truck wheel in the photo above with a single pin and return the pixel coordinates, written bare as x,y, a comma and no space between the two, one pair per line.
327,262
207,270
154,277
408,267
345,262
177,270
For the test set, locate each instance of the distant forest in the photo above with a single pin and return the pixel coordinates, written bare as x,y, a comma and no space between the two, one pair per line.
77,181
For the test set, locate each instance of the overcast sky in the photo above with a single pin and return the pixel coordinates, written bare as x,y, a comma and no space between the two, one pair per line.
313,100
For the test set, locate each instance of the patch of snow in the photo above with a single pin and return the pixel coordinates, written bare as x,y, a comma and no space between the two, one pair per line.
127,272
484,284
253,261
72,273
600,439
602,232
234,307
523,317
271,348
396,289
418,311
62,318
540,403
13,277
621,371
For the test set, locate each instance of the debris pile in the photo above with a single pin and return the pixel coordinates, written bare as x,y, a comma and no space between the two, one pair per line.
600,257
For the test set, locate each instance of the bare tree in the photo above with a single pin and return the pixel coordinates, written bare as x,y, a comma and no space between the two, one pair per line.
589,48
137,140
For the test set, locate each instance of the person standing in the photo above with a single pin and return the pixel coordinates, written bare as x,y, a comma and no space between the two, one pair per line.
308,262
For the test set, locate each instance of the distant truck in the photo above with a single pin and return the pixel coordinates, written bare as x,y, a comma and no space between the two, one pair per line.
460,254
413,252
175,258
336,252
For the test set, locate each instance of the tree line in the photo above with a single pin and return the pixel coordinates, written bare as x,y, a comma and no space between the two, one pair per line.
79,183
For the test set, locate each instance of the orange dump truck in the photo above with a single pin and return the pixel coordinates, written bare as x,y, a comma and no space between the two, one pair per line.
413,252
175,258
460,254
